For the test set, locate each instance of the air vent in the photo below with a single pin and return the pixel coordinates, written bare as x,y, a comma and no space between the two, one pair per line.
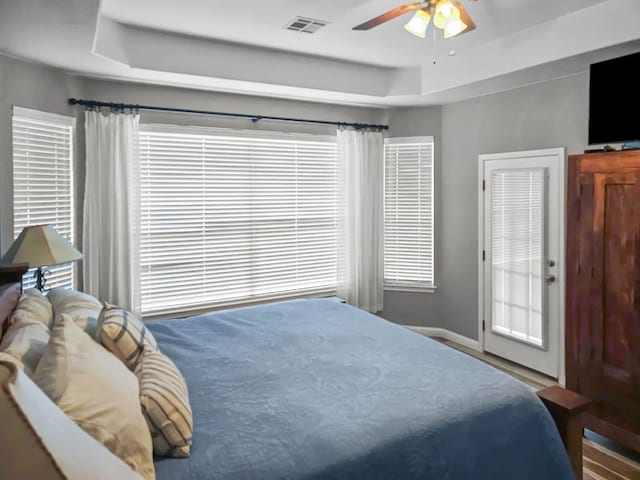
305,25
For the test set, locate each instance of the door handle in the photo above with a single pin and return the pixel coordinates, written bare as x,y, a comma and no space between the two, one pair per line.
550,278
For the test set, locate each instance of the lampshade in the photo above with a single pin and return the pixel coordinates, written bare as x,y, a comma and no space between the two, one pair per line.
419,23
40,246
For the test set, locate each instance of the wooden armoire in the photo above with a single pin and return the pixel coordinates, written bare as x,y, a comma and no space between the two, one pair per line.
603,290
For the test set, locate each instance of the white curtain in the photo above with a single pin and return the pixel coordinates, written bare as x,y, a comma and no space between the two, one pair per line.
111,209
361,218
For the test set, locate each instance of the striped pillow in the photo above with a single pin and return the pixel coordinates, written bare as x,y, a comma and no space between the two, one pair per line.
165,403
124,335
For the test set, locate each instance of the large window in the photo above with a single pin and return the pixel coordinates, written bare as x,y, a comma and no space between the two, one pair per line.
43,179
230,217
408,232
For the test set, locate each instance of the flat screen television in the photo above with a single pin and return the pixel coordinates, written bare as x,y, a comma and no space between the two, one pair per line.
614,100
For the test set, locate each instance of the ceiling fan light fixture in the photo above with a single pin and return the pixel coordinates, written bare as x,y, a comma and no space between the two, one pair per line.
447,15
453,27
443,11
465,18
446,8
419,23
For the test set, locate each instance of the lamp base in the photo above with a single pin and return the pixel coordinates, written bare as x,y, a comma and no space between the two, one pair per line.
41,278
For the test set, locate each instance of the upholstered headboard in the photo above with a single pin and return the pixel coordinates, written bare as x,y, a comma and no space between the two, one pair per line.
10,289
37,440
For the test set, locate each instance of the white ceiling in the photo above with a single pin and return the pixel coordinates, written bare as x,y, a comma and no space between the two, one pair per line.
259,23
242,47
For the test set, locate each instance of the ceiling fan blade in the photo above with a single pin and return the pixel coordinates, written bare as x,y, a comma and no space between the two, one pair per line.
390,15
466,18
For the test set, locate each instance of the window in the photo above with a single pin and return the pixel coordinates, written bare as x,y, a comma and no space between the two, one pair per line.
231,217
43,180
408,211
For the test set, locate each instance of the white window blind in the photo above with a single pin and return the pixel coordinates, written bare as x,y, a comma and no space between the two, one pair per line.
43,180
408,225
517,252
232,217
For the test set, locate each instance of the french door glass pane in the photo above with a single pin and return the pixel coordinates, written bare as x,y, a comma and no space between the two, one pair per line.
517,242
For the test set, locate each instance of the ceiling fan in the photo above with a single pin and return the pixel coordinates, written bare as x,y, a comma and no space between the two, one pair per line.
448,15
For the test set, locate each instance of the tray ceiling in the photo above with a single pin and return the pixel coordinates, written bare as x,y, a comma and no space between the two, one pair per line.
243,47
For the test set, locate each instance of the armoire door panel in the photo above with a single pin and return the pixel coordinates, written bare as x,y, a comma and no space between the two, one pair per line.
586,296
621,228
610,338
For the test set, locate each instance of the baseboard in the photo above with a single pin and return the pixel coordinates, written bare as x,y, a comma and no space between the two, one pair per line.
447,335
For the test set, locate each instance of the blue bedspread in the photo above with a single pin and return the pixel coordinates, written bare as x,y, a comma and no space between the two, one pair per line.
315,389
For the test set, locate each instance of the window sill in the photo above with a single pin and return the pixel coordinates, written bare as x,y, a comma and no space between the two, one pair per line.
200,309
407,288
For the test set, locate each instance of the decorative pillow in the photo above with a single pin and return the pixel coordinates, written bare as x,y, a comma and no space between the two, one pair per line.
34,306
124,335
165,403
81,307
28,333
97,392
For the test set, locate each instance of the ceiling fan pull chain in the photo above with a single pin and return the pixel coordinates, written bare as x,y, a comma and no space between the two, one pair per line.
435,60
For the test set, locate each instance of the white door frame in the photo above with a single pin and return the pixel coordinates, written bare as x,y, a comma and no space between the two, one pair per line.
557,152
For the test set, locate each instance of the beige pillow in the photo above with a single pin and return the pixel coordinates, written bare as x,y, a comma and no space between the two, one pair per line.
33,306
165,403
28,333
96,391
81,307
124,335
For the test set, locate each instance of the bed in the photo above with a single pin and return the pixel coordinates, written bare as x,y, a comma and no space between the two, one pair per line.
316,389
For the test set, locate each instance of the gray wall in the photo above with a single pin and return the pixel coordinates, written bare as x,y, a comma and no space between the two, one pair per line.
545,115
550,114
224,102
39,88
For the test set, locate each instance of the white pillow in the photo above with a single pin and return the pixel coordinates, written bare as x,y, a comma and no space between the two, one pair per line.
81,307
33,306
5,357
28,332
98,392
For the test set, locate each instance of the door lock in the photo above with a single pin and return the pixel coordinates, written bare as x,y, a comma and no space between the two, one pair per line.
551,263
550,278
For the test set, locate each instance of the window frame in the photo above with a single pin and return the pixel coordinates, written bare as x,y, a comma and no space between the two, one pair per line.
61,121
408,286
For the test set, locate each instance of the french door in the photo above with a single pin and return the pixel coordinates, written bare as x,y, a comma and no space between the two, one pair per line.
522,264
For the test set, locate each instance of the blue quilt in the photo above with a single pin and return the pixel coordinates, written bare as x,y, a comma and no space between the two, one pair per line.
315,389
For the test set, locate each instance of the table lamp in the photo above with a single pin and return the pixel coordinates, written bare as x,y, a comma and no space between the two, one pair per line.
41,246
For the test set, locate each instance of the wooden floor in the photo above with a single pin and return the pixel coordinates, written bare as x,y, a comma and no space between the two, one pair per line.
600,463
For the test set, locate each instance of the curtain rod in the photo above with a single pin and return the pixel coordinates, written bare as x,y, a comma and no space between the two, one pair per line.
253,118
